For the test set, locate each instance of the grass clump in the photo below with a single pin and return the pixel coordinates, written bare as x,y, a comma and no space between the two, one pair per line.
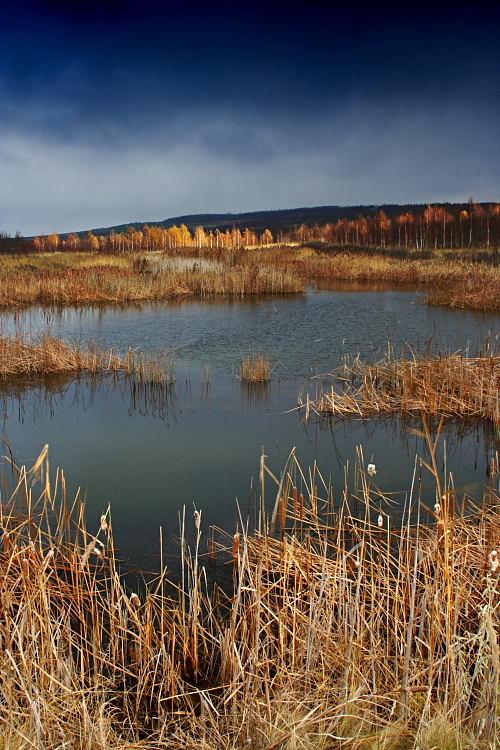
452,385
338,632
255,368
48,355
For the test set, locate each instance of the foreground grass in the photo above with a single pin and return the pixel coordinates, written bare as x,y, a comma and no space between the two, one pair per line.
452,386
344,630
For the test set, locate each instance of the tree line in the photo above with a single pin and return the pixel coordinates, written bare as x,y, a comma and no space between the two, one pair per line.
478,226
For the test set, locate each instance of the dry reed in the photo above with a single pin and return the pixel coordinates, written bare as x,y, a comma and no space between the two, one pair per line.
454,386
255,369
110,280
48,355
341,633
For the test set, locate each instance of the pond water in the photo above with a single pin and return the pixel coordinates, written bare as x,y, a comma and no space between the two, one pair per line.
199,445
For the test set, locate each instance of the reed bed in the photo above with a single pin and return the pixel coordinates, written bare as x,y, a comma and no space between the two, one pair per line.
98,278
255,369
453,386
49,355
454,282
344,629
110,280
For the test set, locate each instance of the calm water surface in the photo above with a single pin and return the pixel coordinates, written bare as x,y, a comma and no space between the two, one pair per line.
200,446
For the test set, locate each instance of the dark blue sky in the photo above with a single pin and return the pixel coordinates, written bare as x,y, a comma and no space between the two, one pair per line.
114,112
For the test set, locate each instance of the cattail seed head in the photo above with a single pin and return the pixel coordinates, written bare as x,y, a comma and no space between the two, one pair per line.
236,545
380,521
197,519
493,560
437,508
135,601
371,469
104,523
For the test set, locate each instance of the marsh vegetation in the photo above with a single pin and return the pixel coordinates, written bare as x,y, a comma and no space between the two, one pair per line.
343,629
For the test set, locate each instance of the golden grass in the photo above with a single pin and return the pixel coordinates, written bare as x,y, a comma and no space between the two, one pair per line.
455,283
49,355
255,369
347,631
452,386
108,279
88,278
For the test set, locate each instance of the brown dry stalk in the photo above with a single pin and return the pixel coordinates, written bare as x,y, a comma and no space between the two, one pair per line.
452,386
339,634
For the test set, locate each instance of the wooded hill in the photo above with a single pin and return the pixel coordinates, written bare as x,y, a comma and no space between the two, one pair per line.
284,219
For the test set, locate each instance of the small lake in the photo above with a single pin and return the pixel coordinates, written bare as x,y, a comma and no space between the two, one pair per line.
199,445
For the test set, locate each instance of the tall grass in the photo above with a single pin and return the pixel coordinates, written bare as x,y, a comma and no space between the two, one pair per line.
344,630
113,280
87,278
453,386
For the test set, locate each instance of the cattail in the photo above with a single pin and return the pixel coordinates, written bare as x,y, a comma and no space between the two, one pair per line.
295,501
371,469
211,548
493,560
380,521
197,519
104,523
236,546
301,506
283,512
437,508
135,601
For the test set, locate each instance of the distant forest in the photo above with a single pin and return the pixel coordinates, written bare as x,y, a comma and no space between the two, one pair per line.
420,227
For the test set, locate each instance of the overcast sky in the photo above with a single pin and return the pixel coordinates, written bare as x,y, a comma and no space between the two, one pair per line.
113,112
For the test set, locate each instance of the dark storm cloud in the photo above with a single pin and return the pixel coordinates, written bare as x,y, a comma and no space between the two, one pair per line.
111,111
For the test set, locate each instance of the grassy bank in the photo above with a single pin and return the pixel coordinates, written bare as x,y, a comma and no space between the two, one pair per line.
345,630
452,386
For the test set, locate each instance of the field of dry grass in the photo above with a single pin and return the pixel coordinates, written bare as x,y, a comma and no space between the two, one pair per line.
452,386
342,630
86,279
458,284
